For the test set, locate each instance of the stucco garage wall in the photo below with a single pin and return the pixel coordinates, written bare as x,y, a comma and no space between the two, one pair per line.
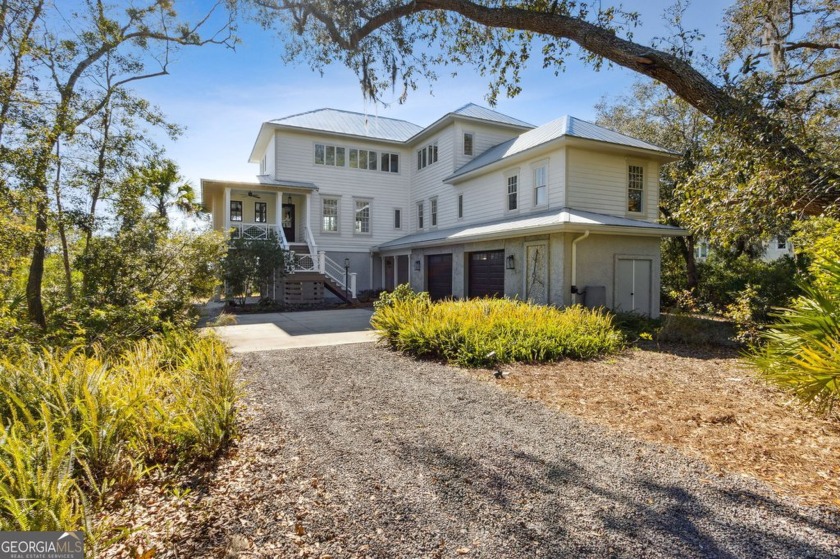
596,261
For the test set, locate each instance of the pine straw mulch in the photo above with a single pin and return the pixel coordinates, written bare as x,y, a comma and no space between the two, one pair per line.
705,402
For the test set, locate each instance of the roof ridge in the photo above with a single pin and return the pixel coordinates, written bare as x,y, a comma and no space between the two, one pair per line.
345,111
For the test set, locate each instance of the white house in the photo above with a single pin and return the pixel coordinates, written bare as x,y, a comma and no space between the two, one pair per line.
477,203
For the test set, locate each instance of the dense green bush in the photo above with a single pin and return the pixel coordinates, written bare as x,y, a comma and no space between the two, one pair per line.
80,429
481,332
802,349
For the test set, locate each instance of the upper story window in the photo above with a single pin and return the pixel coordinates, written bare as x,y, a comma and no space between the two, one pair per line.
260,212
263,164
512,192
329,215
363,159
427,155
781,242
362,218
331,156
460,206
541,186
420,215
635,188
468,144
235,210
433,212
397,218
390,163
701,250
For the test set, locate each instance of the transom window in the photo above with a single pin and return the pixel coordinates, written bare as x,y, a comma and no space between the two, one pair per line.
329,212
260,212
427,155
362,220
468,144
420,215
235,210
540,186
635,188
331,156
433,212
512,192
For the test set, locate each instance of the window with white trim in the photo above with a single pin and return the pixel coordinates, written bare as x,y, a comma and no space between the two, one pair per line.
635,188
331,156
397,218
263,164
541,186
420,215
362,217
329,215
460,206
433,212
390,163
781,242
701,250
427,155
468,143
512,192
260,212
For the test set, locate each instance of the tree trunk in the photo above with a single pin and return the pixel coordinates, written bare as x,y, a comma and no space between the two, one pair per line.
65,251
96,192
34,303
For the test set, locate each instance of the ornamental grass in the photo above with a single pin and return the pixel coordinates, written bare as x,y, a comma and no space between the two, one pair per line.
484,332
79,430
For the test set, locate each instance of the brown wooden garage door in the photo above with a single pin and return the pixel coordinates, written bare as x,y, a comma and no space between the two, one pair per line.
487,274
439,276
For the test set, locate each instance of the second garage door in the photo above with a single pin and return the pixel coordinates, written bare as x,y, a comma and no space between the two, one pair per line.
439,276
487,274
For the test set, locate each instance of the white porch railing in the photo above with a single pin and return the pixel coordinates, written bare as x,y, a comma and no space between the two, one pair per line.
259,232
323,264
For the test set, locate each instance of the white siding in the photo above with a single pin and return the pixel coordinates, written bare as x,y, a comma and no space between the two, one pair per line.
597,182
428,182
271,158
296,161
484,137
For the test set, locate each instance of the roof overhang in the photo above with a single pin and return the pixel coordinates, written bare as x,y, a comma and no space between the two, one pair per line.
555,221
211,186
449,118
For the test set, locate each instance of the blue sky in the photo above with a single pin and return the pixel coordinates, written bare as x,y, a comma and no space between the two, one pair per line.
222,96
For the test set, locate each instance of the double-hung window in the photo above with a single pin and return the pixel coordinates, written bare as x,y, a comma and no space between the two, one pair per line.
512,192
541,186
468,144
362,217
235,210
329,215
433,212
420,224
260,212
635,188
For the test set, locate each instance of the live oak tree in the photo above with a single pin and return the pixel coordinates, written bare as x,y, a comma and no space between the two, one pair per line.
62,64
395,43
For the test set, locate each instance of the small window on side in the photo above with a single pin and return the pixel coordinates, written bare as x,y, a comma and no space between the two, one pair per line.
468,144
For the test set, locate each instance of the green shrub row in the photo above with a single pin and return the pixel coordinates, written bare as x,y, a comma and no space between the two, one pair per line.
482,332
79,430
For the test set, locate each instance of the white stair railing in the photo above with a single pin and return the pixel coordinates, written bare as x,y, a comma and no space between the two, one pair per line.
322,264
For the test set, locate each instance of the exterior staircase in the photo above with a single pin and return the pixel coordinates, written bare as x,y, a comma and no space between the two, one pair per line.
308,275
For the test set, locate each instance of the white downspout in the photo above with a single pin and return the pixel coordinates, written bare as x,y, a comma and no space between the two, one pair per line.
574,262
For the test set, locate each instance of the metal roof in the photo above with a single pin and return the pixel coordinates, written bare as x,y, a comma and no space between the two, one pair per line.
556,220
472,110
355,124
563,126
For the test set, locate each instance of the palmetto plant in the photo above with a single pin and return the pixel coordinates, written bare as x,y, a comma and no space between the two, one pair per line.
802,350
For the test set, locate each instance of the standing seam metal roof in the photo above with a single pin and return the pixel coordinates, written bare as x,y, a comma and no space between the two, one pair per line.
472,110
355,124
563,126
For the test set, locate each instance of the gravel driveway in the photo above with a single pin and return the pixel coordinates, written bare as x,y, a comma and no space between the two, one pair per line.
383,456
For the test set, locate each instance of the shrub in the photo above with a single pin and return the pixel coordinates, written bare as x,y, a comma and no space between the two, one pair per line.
482,332
81,429
802,351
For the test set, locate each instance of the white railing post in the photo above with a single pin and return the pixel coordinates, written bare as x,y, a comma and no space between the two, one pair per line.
322,262
353,285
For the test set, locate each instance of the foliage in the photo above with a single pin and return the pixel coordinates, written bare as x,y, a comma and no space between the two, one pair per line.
817,241
802,349
681,328
482,332
251,265
80,430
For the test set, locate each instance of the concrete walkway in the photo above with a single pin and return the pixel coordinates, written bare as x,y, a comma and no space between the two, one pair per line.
270,331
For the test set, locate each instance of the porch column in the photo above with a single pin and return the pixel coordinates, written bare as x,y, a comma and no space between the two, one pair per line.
226,210
396,259
278,213
307,218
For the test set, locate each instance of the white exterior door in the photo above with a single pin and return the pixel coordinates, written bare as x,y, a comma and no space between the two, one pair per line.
633,285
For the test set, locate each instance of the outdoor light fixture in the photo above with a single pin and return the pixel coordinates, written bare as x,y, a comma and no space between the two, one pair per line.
510,263
416,265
